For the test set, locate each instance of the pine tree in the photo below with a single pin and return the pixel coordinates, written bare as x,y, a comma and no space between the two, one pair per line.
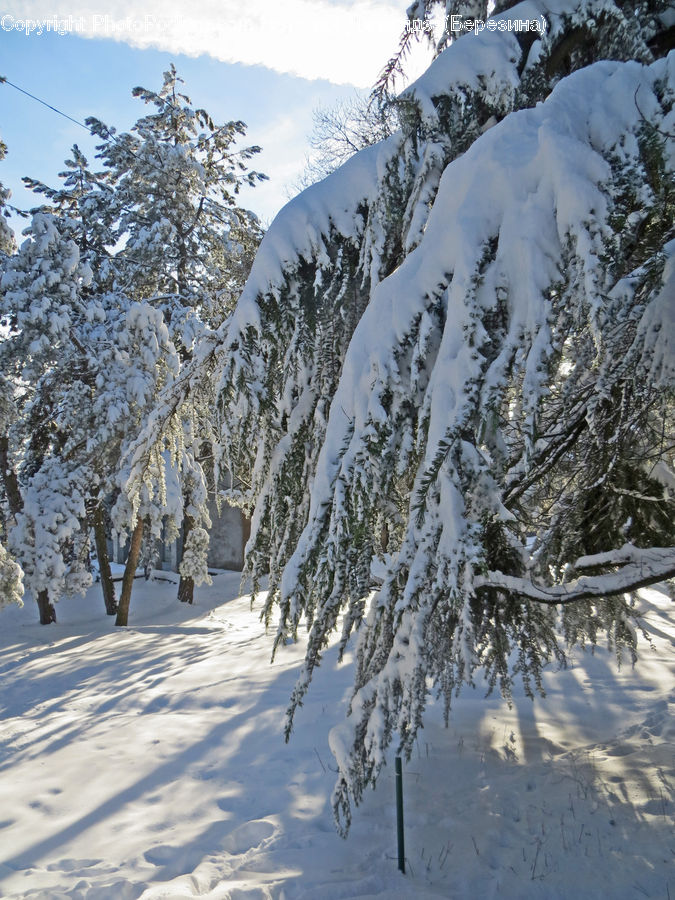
187,248
142,261
91,364
83,206
448,383
175,178
11,577
38,288
83,202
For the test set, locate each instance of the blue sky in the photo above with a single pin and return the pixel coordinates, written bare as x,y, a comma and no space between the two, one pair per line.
289,64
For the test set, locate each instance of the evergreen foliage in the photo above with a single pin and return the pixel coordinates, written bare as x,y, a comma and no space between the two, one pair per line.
87,366
185,244
123,271
186,248
448,384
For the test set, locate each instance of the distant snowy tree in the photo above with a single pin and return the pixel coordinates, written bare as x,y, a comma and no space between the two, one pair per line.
84,205
9,491
447,387
11,575
183,239
38,301
11,579
125,271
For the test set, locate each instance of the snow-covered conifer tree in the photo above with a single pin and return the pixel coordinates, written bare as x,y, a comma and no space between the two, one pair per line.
185,240
448,383
187,249
11,577
38,304
90,365
83,206
156,251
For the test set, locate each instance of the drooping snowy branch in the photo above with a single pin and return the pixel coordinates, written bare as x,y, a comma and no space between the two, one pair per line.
467,369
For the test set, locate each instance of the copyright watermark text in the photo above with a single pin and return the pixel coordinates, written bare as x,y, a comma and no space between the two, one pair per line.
458,25
94,24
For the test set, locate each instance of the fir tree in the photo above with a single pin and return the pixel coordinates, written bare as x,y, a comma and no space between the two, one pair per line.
176,177
90,365
160,225
83,202
187,248
83,206
11,577
448,383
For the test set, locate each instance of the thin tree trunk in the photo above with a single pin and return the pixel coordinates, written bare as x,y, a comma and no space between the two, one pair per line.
47,611
129,572
384,537
9,478
186,586
107,585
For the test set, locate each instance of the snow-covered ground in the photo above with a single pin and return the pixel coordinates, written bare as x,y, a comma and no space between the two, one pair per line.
150,762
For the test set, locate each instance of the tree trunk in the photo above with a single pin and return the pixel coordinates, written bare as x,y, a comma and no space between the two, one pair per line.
107,586
47,611
186,586
129,572
9,478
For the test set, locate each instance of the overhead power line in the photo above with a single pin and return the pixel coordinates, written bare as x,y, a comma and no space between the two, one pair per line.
16,87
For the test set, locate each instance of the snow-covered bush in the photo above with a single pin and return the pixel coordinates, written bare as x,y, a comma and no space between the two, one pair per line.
11,579
194,564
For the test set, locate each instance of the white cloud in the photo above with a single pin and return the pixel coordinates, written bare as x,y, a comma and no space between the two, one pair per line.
336,41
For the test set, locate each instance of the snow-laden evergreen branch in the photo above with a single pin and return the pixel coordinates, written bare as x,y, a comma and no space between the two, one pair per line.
461,363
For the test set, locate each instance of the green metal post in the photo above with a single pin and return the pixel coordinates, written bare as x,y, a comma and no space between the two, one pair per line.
399,815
